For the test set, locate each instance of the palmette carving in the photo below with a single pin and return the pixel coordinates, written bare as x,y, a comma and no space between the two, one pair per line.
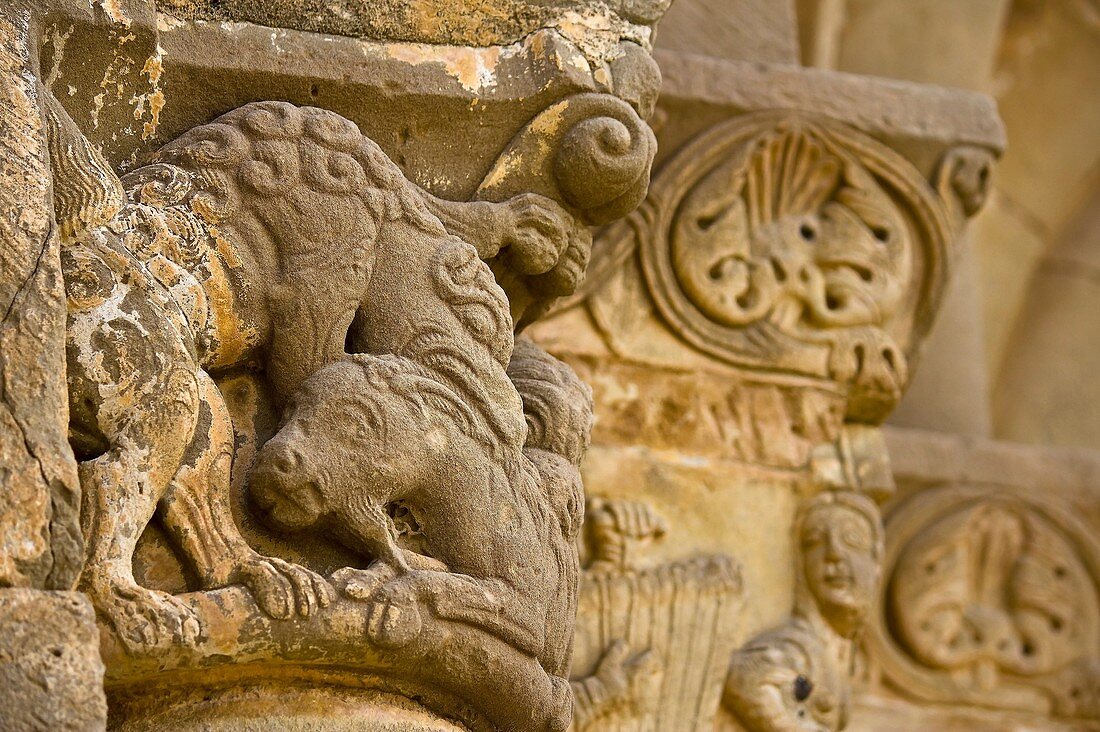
992,599
796,676
786,244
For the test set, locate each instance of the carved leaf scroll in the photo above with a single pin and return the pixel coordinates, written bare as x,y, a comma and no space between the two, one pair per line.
786,244
992,600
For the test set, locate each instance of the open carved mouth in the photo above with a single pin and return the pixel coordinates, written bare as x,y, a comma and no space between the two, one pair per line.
838,576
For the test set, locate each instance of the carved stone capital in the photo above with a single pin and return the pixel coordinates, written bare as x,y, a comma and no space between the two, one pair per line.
284,305
788,239
992,599
785,243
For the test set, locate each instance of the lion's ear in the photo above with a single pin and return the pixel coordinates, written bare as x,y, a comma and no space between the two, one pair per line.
86,192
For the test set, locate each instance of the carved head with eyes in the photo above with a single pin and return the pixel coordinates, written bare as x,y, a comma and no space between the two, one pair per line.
840,543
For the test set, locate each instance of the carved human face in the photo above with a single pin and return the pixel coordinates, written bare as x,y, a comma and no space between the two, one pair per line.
839,560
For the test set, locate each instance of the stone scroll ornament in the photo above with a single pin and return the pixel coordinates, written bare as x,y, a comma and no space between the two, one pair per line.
410,425
796,676
787,244
992,599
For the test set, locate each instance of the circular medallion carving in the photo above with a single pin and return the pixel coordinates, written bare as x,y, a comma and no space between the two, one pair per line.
778,242
991,599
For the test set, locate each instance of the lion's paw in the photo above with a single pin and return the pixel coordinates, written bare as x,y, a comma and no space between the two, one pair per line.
282,589
394,618
148,621
362,584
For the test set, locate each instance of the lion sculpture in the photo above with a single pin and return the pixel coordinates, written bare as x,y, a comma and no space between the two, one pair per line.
478,527
279,238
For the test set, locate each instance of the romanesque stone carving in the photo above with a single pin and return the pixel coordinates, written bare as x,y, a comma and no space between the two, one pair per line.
796,676
713,415
652,641
993,599
410,429
783,246
965,178
797,245
207,267
599,166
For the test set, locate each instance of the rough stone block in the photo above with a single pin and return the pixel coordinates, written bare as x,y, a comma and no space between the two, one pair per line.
51,675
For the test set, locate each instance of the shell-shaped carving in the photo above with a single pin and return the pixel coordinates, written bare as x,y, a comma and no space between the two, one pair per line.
786,243
790,173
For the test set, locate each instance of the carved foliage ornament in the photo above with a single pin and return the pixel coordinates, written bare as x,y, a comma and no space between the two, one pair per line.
992,599
781,243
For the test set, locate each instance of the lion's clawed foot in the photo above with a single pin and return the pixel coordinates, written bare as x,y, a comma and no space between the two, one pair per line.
147,620
394,618
283,590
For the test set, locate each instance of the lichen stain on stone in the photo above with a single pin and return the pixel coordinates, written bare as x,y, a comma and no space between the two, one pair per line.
501,172
597,32
113,9
473,68
153,70
549,121
57,41
113,75
167,22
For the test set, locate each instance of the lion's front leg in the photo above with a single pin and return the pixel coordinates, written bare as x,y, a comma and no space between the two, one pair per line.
398,601
196,512
531,231
131,390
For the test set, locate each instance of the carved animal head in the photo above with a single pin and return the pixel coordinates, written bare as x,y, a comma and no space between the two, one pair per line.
358,434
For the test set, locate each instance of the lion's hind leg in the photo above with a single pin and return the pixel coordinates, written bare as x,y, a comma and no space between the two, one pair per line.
121,487
196,512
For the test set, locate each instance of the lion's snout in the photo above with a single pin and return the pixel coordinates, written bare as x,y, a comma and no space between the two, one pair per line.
282,488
